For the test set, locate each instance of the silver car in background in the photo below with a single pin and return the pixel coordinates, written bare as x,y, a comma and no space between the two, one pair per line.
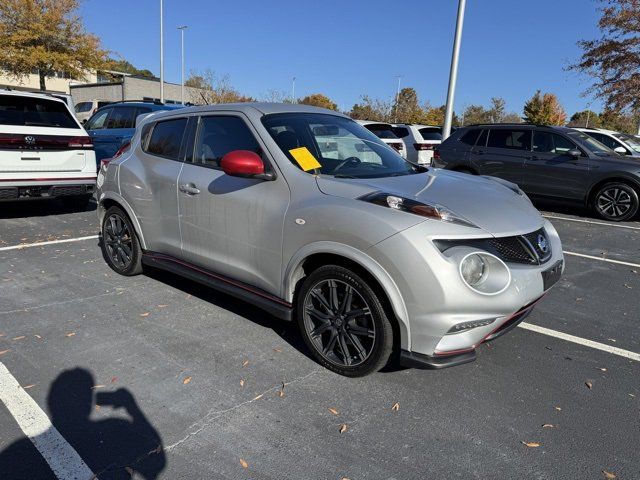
310,216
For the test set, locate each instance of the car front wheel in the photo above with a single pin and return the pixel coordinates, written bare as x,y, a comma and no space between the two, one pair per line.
343,322
120,245
616,201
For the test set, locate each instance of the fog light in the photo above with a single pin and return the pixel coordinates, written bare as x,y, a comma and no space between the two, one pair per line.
473,269
485,273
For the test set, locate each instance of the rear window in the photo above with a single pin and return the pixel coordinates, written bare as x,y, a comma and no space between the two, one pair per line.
122,117
83,107
166,138
381,130
37,112
432,133
401,132
512,139
470,137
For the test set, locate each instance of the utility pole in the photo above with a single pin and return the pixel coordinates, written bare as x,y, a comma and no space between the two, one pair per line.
182,28
395,117
453,74
161,55
293,90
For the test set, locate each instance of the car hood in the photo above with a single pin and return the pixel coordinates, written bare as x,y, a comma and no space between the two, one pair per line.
487,202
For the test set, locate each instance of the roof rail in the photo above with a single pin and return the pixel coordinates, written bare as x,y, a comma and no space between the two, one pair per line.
500,124
155,102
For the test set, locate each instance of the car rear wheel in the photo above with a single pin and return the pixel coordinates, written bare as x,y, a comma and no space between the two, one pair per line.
616,201
120,244
343,322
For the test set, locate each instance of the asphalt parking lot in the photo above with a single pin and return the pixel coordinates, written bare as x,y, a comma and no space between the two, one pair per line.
188,383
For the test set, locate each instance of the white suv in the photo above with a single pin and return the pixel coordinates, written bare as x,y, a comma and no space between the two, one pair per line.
44,151
620,143
420,141
384,131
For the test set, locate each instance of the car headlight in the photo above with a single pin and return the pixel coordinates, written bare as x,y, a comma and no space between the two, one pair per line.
485,273
437,212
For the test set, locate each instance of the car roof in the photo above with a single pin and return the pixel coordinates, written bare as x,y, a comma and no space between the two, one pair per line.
596,130
19,93
372,122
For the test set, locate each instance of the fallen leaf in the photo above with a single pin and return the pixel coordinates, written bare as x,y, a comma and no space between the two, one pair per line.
278,349
334,411
281,393
602,369
38,337
145,314
114,379
548,425
244,463
70,334
608,475
532,444
343,428
558,408
26,387
242,383
631,395
628,286
611,339
345,478
186,380
589,385
19,338
245,363
395,407
579,299
97,386
162,306
258,397
2,352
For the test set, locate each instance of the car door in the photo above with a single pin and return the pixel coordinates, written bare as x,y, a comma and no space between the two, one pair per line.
232,226
150,183
551,171
117,128
505,153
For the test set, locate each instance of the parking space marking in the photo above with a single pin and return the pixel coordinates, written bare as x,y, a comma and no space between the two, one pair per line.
34,423
579,220
608,260
582,341
50,242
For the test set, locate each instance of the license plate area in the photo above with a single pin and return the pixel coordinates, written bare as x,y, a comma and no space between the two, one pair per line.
552,275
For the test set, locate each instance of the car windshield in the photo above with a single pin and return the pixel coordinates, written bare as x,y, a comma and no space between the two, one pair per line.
37,112
591,143
632,142
333,145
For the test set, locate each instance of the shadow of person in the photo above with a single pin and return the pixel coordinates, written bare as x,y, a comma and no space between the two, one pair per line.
113,447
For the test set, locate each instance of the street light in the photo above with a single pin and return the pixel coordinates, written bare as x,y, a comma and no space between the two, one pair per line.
182,28
395,118
453,74
293,90
161,56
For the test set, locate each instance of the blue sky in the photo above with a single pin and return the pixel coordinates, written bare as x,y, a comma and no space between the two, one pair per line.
348,48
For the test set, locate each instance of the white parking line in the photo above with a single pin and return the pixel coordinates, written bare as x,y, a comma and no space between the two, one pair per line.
581,341
579,220
34,423
50,242
600,259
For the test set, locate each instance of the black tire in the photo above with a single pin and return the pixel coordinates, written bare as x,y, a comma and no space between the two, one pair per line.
76,202
359,325
616,201
120,245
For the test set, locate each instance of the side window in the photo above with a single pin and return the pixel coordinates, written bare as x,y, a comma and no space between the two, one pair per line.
543,142
511,139
122,117
140,111
166,138
470,137
482,139
219,135
98,120
562,145
400,132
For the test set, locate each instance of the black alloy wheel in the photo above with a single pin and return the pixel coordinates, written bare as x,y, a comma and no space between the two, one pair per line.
616,201
120,245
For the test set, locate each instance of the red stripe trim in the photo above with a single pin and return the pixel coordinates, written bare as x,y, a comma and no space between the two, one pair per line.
260,293
44,179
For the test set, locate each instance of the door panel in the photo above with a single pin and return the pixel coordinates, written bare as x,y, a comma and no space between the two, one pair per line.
505,153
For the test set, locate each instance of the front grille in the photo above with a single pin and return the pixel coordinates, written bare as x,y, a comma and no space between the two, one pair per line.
512,249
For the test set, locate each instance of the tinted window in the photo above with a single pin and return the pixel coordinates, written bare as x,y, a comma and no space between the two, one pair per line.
37,112
470,137
102,104
98,120
482,140
612,143
83,107
512,139
122,117
433,133
401,132
381,130
547,142
218,136
166,138
141,111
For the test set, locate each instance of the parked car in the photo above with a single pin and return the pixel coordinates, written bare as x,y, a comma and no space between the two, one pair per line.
384,131
84,110
620,143
420,141
555,163
113,125
44,151
367,255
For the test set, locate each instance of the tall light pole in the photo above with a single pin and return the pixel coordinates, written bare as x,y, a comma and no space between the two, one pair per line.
182,28
453,74
161,55
293,90
395,118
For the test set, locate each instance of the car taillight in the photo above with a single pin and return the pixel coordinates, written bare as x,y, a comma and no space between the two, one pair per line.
123,148
7,140
424,146
80,142
436,155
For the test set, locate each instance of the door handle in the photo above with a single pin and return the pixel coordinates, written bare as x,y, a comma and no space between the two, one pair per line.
189,189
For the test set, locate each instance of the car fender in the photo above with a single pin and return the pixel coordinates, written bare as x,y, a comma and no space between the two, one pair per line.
293,273
122,203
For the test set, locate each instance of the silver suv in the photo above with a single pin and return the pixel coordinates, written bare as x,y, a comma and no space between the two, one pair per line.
310,216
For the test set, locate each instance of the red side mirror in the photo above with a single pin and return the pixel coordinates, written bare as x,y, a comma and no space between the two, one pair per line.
242,163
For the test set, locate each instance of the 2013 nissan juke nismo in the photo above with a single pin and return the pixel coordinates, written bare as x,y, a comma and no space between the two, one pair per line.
310,216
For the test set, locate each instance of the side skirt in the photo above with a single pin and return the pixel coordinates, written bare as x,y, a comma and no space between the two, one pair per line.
261,299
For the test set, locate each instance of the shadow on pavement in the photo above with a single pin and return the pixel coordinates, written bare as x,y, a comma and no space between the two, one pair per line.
113,448
41,207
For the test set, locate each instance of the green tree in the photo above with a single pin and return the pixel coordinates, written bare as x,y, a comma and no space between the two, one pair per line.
319,100
435,116
407,109
585,118
47,36
544,110
476,114
497,110
124,66
210,89
371,109
618,121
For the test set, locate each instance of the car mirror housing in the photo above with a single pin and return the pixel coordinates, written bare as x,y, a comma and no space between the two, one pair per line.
244,163
620,150
574,153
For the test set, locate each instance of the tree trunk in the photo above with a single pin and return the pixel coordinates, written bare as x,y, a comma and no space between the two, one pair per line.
43,86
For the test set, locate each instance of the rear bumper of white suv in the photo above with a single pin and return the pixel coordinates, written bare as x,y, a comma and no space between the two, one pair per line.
26,188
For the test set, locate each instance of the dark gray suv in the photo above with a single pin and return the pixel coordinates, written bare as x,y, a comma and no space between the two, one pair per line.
554,163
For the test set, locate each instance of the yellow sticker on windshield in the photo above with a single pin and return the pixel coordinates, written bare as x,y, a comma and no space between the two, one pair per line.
305,158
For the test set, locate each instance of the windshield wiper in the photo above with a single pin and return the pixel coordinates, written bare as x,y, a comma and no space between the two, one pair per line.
341,175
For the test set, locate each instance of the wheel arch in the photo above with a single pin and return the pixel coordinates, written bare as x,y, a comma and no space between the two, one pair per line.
609,179
329,253
111,199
